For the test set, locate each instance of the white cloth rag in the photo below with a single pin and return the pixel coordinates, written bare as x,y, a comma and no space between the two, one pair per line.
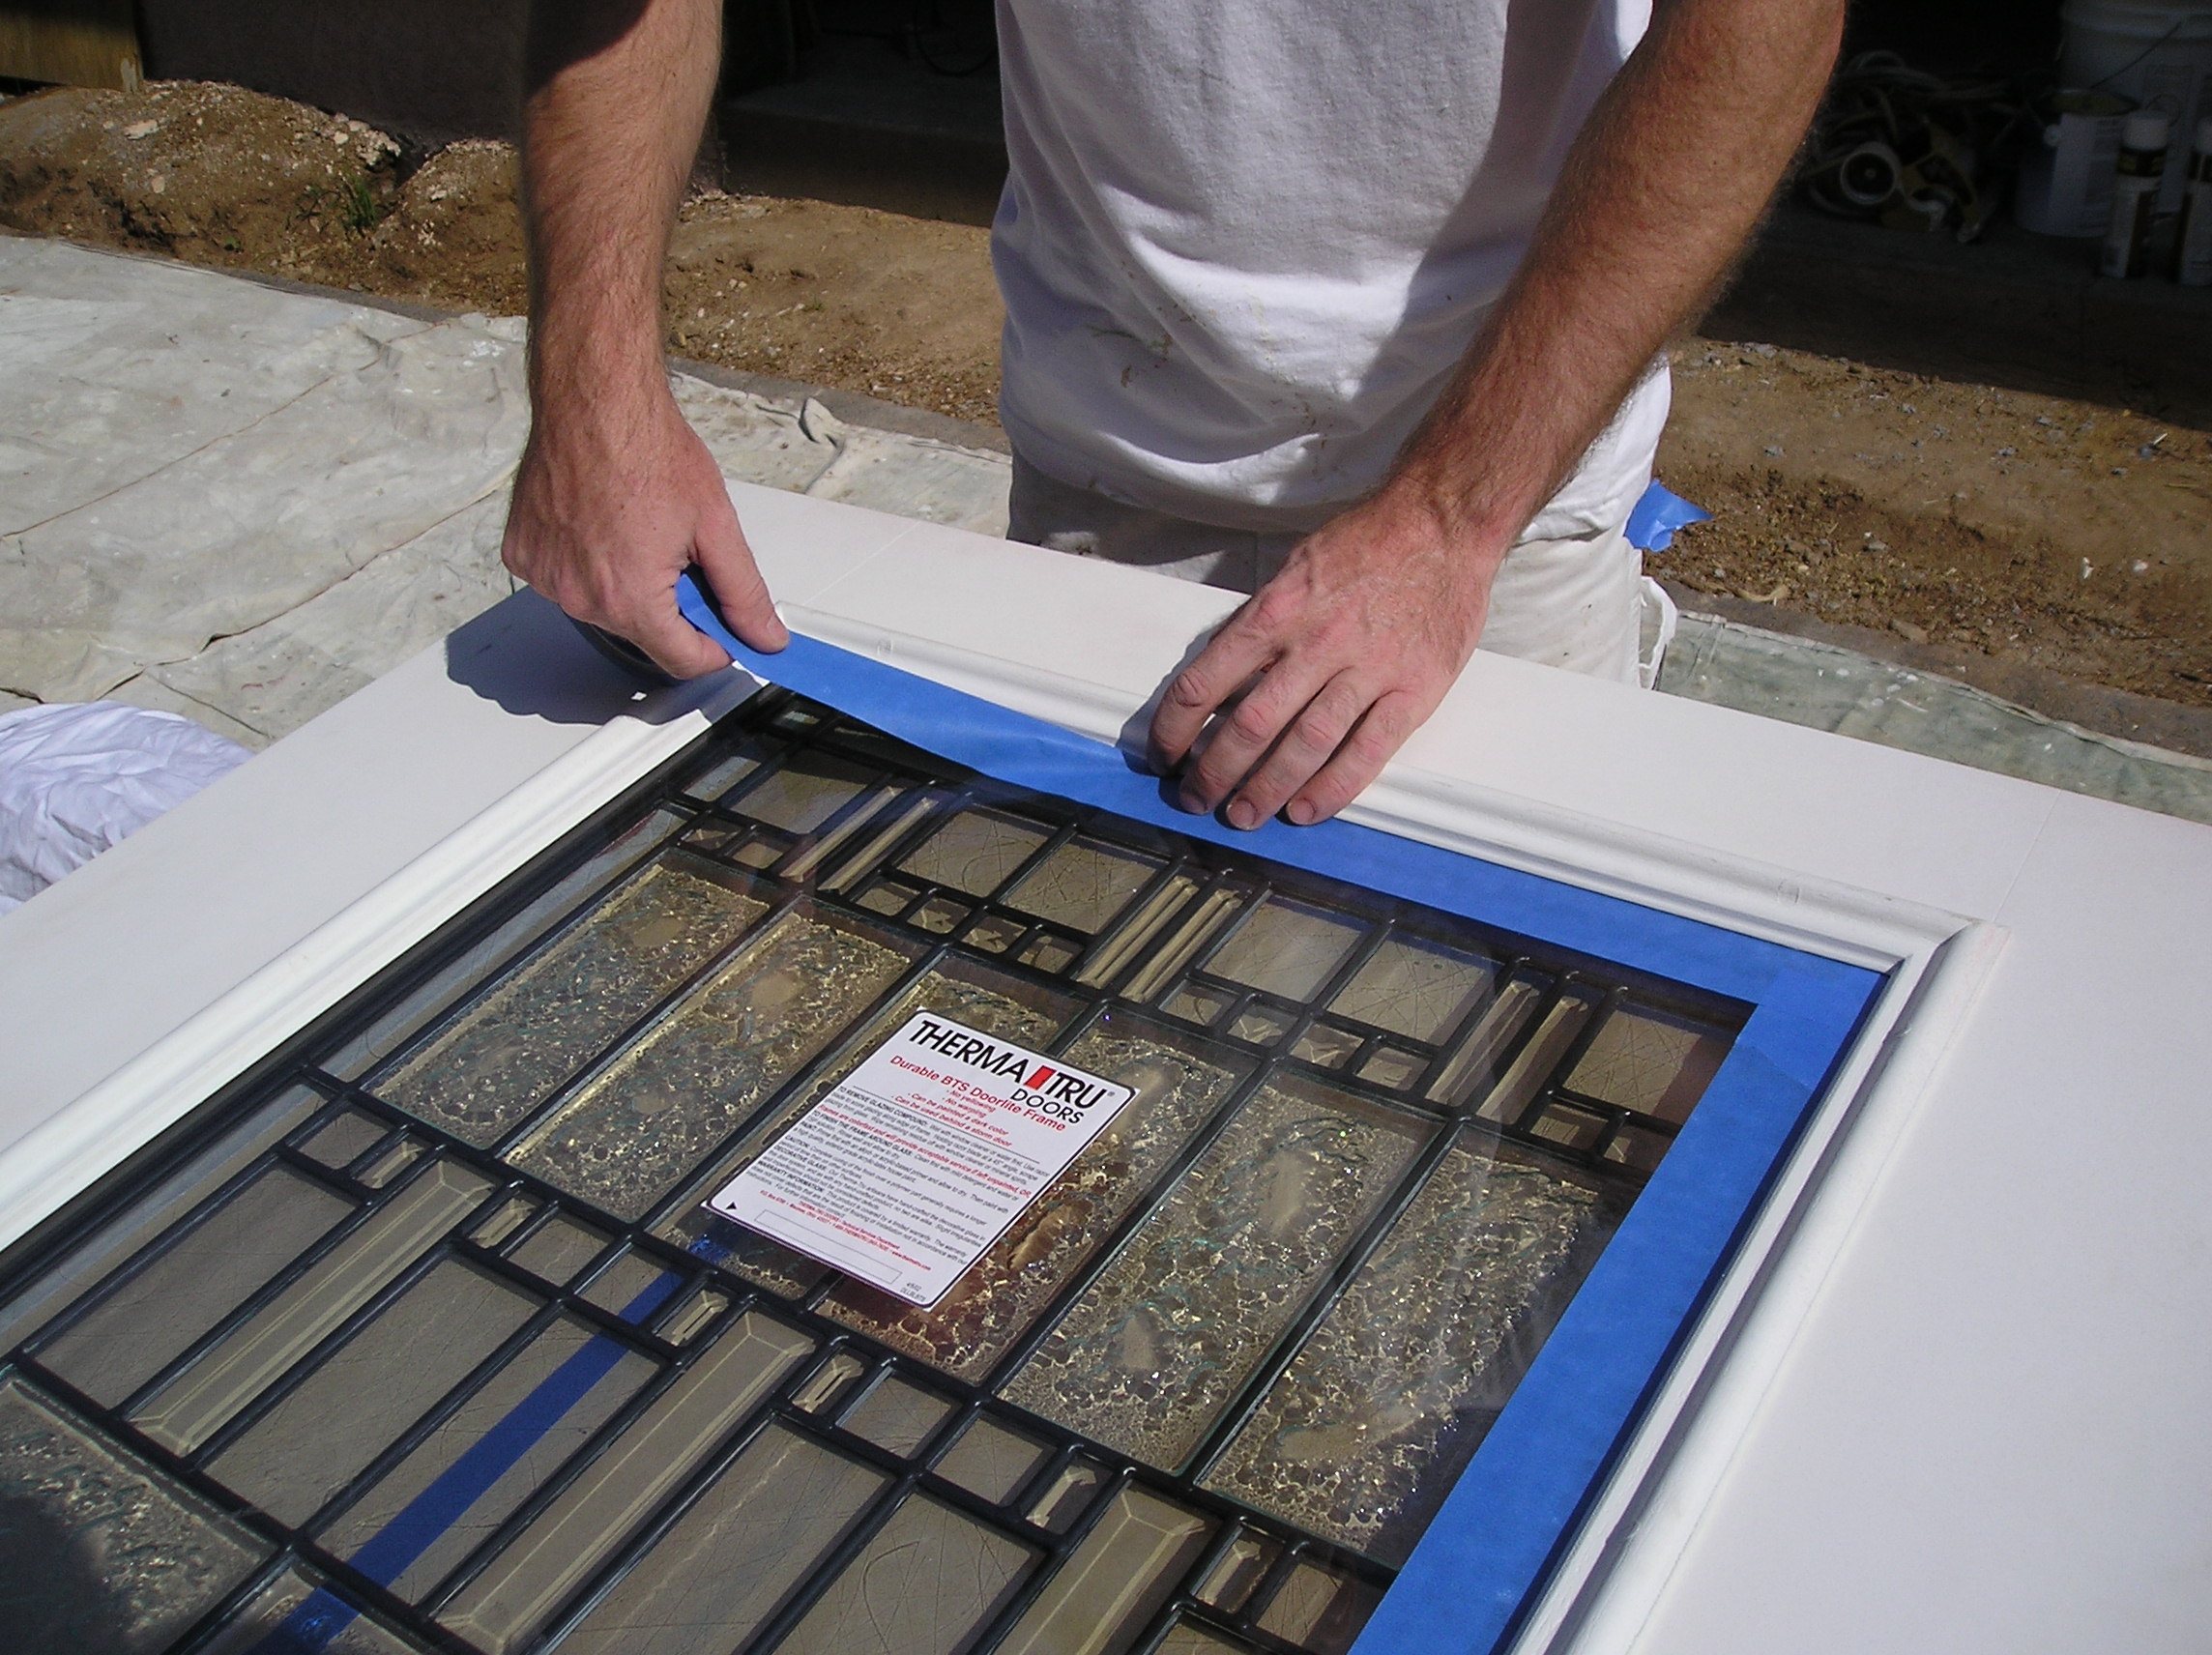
77,778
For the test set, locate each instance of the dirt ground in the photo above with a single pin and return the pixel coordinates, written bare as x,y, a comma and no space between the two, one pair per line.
2064,534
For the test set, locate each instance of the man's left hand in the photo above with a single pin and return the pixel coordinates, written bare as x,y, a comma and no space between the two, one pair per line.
1319,679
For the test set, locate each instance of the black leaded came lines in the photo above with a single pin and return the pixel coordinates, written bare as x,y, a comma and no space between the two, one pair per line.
490,1374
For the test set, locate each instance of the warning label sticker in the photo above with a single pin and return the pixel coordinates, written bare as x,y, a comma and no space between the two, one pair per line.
921,1157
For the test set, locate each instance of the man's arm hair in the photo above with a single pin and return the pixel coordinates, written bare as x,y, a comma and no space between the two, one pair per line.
1372,617
615,496
615,95
1675,168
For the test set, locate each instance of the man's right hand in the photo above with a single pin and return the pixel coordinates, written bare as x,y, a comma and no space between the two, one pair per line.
610,506
617,495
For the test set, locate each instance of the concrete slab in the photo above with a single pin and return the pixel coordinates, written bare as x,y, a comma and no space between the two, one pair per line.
1824,687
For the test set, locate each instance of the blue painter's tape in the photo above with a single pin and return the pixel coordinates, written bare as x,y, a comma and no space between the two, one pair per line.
1028,752
1655,517
418,1524
1480,1559
1503,1521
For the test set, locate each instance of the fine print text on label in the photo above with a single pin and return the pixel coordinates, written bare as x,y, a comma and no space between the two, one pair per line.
921,1157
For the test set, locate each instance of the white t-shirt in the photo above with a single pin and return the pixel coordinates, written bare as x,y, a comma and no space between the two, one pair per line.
1245,243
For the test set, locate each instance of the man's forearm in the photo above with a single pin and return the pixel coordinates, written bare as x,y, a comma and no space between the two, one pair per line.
1668,177
616,98
615,496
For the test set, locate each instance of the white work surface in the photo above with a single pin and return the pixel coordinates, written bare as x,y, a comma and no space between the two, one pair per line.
1987,1431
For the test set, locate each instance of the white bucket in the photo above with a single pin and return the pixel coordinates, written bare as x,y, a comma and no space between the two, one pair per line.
2158,52
2068,170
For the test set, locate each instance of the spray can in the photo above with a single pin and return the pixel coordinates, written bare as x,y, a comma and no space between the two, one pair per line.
2193,268
2135,192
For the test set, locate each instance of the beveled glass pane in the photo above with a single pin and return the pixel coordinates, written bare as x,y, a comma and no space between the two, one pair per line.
723,773
503,1603
922,1587
991,1461
1415,988
637,1130
557,1249
324,1433
106,1554
1367,1430
975,852
1162,1341
710,1581
145,1323
633,1287
1103,1596
977,994
1083,885
1237,1572
1285,949
1318,1610
460,1482
1532,1069
508,1053
420,1006
1467,1076
188,1408
896,1416
1650,1061
1186,1639
802,793
301,1613
170,1197
988,1308
340,1141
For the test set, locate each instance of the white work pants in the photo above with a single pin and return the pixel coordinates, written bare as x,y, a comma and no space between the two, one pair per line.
1576,603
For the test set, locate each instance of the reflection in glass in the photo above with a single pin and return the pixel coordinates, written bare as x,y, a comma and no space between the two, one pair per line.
1318,1610
710,1581
1083,885
661,1108
147,1321
508,1053
922,1587
574,1534
1186,1638
987,1310
802,793
186,1410
106,1553
1650,1061
896,1416
1371,1423
1285,949
421,1518
1163,1340
1415,988
975,852
1126,1567
325,1431
991,1461
298,1611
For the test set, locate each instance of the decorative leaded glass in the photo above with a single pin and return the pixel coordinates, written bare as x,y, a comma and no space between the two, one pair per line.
424,1339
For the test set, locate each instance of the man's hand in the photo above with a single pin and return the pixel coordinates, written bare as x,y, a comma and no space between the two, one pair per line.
1346,653
610,508
617,494
1342,655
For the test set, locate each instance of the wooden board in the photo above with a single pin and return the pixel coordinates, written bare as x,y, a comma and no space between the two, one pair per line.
72,43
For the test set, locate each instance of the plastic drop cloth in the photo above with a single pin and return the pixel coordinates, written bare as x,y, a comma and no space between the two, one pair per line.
243,504
77,778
